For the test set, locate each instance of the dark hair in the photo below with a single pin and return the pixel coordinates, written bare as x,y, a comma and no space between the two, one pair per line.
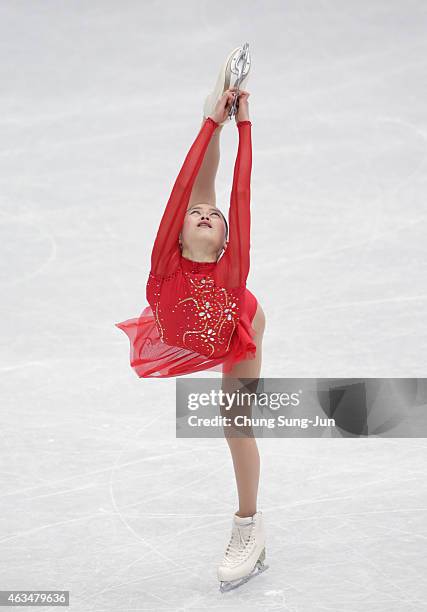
226,224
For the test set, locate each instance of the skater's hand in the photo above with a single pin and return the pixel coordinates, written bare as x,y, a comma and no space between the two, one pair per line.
223,105
242,113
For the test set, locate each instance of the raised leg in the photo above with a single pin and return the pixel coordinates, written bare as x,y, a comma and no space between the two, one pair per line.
244,450
204,185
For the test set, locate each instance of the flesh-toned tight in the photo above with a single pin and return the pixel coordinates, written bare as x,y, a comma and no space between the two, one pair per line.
244,450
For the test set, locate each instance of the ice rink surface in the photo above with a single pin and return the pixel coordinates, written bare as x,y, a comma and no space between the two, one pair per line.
99,104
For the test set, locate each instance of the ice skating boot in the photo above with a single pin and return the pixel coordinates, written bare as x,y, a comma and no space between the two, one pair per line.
245,554
234,73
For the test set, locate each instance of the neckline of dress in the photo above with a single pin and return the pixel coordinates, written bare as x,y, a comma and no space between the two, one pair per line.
194,266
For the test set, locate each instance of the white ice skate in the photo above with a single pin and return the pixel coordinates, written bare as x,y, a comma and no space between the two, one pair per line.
233,73
245,553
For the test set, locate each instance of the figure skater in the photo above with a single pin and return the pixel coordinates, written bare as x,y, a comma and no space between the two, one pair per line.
201,315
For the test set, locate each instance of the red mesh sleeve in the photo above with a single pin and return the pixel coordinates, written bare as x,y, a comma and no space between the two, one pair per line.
233,267
166,253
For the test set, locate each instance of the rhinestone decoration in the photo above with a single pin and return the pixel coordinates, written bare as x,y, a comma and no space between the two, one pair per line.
204,321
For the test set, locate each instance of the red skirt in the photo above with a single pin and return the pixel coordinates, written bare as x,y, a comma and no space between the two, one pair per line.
150,357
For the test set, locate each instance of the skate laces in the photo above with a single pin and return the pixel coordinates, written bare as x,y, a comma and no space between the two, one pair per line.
242,538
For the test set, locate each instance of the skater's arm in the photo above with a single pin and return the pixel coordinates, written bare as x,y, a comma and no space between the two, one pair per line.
165,253
234,265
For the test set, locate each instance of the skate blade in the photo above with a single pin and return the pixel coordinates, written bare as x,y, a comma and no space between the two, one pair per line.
240,66
229,586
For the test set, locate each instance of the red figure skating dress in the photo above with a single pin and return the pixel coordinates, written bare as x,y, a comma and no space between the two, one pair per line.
200,313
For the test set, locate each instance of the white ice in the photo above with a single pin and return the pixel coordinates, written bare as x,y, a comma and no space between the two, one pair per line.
99,103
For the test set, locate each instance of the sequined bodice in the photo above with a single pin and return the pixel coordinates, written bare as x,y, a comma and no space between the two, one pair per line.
192,311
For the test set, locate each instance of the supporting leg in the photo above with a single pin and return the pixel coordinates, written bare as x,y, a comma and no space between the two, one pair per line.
244,450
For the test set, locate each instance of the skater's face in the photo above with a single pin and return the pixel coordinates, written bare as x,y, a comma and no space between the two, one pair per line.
204,226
